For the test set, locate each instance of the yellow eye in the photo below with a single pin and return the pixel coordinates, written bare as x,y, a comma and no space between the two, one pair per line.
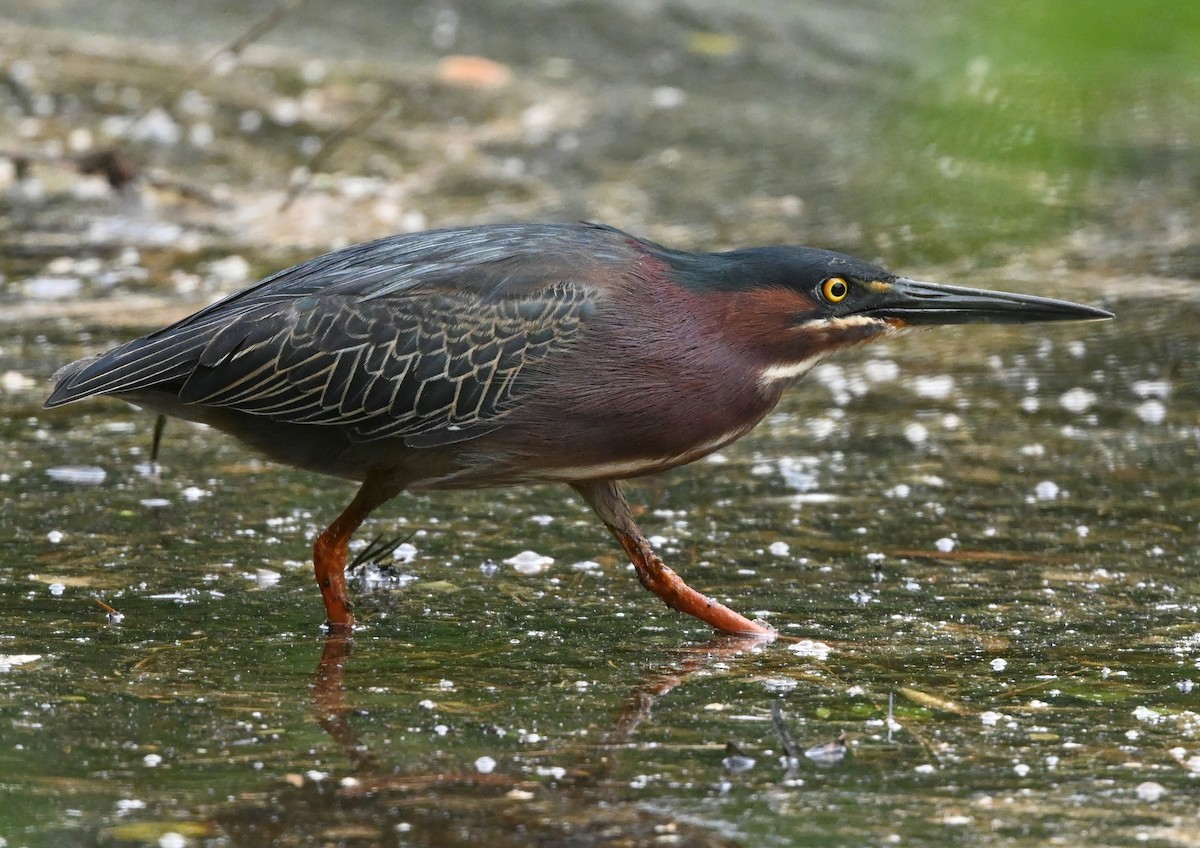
835,289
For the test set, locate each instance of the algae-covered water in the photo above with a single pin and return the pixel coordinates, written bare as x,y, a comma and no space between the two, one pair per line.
976,543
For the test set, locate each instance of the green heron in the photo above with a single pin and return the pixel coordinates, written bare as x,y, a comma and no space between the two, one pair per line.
497,355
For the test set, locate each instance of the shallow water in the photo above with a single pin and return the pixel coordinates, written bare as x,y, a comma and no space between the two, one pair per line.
976,543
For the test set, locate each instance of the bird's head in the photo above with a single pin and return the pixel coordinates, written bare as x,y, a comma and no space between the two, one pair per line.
793,306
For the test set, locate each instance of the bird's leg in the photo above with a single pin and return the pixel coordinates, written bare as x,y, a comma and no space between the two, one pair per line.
331,547
606,498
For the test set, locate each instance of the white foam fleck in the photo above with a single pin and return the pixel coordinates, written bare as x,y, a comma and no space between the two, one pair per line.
529,562
1151,411
1077,399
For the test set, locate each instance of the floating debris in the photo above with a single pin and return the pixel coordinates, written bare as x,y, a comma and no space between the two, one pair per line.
933,386
809,648
78,475
1077,400
828,753
10,661
1047,490
529,562
1151,411
735,761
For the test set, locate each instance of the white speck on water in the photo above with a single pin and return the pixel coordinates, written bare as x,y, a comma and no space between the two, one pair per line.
951,421
916,433
925,768
404,553
1082,531
530,562
780,685
125,805
52,288
1152,388
10,661
446,685
944,544
1151,411
229,270
738,763
15,381
900,490
172,839
933,386
154,503
441,729
79,475
586,565
57,588
1150,791
717,458
1132,735
193,493
999,664
1033,450
808,648
541,520
800,473
427,704
156,127
1148,715
1047,490
822,427
485,765
779,548
1185,686
668,97
881,370
1021,769
265,577
956,820
55,536
991,718
316,776
1030,404
151,760
1077,399
658,541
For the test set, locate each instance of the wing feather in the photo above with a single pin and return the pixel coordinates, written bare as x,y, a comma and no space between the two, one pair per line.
425,337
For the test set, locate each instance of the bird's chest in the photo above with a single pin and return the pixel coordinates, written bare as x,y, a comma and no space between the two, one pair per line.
638,405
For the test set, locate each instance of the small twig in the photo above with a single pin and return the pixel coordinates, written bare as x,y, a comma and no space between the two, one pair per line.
252,33
356,127
785,734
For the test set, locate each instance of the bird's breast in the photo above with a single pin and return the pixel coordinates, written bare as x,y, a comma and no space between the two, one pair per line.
650,385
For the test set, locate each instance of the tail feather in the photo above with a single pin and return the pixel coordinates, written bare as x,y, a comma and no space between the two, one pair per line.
136,365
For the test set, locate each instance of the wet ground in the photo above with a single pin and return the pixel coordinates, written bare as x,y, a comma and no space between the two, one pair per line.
977,544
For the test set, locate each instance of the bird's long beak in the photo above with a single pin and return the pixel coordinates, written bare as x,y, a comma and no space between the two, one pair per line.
913,302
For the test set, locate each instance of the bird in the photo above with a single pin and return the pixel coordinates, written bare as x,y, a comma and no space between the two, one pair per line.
510,354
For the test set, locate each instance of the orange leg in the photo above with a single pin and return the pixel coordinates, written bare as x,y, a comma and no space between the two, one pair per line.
329,555
606,499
